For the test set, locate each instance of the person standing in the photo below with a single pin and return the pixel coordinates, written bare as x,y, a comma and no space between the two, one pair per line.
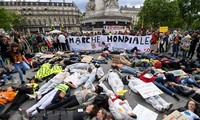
4,47
16,57
62,41
193,45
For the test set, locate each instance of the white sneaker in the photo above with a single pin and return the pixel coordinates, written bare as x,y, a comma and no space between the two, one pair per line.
32,96
168,106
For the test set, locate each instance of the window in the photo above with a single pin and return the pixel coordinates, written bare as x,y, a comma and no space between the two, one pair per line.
39,21
29,22
34,22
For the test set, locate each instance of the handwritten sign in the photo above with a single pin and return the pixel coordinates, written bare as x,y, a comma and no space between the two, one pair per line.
148,90
175,116
144,113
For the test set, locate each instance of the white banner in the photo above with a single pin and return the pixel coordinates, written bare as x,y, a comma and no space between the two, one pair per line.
148,90
114,42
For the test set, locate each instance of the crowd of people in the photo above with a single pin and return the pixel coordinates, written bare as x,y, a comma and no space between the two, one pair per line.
63,72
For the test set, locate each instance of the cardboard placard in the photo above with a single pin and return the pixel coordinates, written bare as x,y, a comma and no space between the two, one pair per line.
176,115
148,90
87,59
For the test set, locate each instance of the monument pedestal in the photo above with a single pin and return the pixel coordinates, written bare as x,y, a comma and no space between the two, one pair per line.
104,14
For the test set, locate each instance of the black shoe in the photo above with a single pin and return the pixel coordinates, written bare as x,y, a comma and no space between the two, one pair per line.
24,71
134,116
38,109
29,79
178,99
4,116
22,83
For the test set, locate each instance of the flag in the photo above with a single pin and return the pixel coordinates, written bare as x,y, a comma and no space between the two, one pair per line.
142,26
46,40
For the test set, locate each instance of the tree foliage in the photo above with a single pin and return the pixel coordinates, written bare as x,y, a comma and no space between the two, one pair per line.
190,12
10,20
172,13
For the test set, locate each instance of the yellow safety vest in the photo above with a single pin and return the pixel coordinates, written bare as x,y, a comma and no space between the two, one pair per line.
62,87
45,70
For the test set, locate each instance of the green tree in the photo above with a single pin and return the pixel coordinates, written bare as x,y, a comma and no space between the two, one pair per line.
10,20
189,11
18,21
160,13
5,19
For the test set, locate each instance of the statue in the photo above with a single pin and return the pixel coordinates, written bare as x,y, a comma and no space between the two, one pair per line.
90,6
109,3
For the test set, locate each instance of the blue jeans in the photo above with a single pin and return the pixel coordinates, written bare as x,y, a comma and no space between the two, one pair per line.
184,54
1,108
19,67
127,69
159,82
175,49
189,81
10,77
1,62
144,65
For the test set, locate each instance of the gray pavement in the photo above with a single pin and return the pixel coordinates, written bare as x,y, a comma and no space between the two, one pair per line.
132,98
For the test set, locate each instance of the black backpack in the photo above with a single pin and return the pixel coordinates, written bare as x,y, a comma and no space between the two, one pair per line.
101,101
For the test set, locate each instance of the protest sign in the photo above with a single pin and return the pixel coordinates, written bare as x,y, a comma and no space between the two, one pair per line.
148,90
114,42
163,29
176,115
144,113
178,73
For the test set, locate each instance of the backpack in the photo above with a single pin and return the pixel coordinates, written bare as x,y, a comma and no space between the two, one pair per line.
101,101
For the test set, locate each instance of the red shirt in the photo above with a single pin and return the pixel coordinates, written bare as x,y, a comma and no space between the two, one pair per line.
145,79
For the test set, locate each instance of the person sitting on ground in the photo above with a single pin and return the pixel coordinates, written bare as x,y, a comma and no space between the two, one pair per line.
101,115
54,96
190,111
6,97
84,97
156,101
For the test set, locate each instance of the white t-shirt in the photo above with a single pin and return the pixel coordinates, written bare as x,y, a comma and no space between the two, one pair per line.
190,115
61,38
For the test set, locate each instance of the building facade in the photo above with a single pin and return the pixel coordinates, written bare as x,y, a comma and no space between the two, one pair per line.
131,12
45,16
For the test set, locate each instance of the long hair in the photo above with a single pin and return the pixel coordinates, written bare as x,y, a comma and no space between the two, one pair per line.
196,110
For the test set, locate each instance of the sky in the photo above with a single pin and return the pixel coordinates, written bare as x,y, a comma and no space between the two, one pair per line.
82,3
